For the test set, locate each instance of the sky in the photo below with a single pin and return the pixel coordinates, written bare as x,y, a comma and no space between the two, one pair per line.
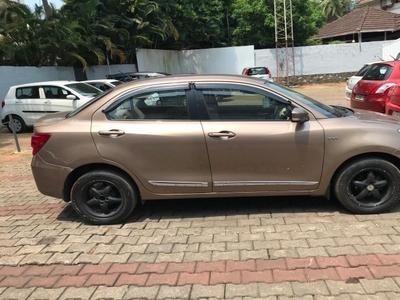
31,3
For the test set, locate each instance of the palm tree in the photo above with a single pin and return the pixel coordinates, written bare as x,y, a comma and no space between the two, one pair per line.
335,9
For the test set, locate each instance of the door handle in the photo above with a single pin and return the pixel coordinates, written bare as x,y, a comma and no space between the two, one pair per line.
112,133
47,102
224,135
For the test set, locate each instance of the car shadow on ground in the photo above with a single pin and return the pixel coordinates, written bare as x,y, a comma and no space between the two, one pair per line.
264,207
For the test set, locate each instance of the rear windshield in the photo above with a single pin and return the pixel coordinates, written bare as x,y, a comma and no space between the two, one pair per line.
258,71
363,70
378,72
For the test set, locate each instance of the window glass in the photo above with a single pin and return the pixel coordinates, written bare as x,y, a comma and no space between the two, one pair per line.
27,92
84,89
55,92
378,72
363,70
161,105
101,86
236,104
324,109
257,71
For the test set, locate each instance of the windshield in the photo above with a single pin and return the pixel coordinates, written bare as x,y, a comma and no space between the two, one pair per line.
82,107
84,89
324,109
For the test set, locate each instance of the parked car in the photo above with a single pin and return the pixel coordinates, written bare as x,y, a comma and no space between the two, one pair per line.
28,102
259,72
351,82
393,101
262,140
125,77
103,84
370,92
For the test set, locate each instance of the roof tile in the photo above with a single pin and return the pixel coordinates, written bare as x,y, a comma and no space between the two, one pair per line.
367,19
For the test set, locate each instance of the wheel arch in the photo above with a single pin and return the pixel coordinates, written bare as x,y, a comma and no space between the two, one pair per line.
388,157
78,172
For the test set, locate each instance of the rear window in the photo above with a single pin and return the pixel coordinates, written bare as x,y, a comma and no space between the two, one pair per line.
258,71
378,72
363,70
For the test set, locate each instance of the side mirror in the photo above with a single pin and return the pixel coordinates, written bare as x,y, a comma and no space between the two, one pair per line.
299,115
71,97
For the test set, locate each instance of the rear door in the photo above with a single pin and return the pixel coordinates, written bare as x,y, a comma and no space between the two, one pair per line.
29,104
254,146
156,135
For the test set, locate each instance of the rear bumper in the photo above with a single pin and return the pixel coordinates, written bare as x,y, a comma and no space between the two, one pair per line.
371,102
348,93
49,178
390,108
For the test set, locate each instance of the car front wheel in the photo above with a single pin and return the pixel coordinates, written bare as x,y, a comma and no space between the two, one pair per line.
103,197
368,186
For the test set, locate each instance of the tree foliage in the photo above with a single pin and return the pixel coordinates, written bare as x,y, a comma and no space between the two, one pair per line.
91,32
334,9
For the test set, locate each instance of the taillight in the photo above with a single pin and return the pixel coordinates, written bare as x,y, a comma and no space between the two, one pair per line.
38,140
246,72
381,89
3,103
268,72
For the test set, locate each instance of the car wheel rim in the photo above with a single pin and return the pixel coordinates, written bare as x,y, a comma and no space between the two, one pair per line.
17,125
370,188
103,199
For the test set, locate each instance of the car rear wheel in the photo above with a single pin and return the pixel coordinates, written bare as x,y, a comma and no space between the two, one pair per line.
19,124
103,197
368,186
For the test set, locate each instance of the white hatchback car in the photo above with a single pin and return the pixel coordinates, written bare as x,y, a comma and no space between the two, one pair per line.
28,102
351,82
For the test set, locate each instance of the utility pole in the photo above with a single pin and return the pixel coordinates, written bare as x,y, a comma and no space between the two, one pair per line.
284,42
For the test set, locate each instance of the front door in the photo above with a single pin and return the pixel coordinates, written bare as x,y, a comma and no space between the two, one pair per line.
56,99
254,146
152,135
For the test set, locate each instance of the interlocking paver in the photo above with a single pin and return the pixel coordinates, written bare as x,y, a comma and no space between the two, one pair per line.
380,285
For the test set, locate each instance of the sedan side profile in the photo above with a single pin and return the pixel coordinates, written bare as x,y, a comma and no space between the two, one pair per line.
213,136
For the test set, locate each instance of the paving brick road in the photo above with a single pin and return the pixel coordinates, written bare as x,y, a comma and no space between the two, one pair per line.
249,248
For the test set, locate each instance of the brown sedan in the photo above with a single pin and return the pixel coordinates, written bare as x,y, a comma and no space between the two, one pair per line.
213,136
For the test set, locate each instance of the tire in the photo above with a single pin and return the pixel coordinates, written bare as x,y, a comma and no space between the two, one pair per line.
368,186
103,197
20,126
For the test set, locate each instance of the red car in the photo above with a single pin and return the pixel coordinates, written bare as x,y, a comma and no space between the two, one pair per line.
371,92
393,102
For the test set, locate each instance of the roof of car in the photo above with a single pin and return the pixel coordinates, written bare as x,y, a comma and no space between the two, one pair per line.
57,82
101,80
192,77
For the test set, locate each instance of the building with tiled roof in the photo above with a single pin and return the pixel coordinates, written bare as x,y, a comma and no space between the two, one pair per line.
362,24
388,5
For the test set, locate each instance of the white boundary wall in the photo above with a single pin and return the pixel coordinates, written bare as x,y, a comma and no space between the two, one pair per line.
323,59
230,60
